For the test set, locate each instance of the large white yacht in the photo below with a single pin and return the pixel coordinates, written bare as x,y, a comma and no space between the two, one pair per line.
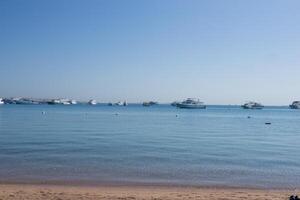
252,105
295,105
191,103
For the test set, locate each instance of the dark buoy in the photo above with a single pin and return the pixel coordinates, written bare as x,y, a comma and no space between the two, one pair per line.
248,117
176,115
268,123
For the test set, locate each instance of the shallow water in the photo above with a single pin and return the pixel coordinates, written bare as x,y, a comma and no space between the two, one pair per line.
150,145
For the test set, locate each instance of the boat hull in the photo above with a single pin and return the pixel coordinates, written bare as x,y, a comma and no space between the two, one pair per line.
186,106
253,107
294,106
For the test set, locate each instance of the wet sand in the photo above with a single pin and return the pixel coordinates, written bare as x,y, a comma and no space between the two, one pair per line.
42,192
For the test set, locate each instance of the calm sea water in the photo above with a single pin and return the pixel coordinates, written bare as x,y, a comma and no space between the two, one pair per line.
219,146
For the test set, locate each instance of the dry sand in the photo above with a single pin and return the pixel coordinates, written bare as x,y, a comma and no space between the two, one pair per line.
43,192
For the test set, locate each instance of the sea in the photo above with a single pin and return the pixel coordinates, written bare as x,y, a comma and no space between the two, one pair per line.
157,145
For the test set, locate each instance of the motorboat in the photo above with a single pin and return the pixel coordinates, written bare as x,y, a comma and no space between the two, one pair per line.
73,102
191,103
295,105
54,102
252,105
174,103
59,102
92,102
121,103
149,103
1,101
65,101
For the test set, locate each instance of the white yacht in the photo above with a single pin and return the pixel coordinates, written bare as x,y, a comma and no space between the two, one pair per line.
252,105
295,105
92,102
1,101
191,103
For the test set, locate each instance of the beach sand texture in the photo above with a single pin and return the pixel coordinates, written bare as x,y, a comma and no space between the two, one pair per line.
42,192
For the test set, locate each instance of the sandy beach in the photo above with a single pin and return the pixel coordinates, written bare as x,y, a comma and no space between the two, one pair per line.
37,192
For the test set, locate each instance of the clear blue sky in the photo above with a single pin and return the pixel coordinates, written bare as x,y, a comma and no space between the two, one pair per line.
223,52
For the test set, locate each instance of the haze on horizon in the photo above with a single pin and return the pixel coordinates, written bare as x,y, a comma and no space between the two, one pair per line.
223,52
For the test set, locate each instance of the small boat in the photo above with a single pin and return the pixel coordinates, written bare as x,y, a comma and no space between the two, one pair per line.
73,102
121,103
65,102
1,101
174,103
92,102
295,105
252,105
109,104
191,103
54,102
149,103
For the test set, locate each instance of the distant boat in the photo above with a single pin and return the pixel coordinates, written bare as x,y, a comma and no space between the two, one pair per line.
295,105
174,103
149,103
73,102
15,100
121,103
191,103
54,102
252,105
109,104
59,101
65,101
1,101
25,101
92,102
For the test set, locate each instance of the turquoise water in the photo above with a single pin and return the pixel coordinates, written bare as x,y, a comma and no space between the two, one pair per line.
219,146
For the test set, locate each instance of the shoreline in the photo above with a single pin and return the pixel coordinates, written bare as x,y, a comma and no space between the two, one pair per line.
129,192
94,184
